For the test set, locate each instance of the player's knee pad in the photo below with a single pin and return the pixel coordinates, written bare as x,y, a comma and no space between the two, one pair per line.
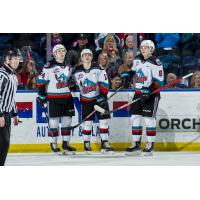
136,120
66,121
54,122
103,123
87,125
150,122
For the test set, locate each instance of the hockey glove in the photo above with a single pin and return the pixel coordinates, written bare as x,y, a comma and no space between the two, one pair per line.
71,84
42,101
144,98
102,99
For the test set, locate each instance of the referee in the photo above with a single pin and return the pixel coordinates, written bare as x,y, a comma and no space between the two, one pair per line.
8,87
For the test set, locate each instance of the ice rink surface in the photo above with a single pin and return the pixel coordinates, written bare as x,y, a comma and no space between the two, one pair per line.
98,159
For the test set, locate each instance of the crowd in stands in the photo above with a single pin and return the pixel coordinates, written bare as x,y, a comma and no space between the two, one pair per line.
179,54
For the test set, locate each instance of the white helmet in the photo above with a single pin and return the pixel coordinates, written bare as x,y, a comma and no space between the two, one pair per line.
58,46
84,51
148,43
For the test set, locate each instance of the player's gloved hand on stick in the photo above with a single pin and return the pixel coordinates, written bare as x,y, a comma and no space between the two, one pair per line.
71,84
102,99
144,98
125,76
42,100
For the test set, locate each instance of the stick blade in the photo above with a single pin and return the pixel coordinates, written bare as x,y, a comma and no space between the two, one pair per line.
99,109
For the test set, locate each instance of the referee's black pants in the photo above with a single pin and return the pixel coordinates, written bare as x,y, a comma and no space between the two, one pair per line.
5,139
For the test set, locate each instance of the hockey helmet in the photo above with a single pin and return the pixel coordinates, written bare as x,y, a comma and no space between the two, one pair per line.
12,52
84,51
148,43
58,46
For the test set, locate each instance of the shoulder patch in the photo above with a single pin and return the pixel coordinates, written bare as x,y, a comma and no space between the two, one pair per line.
47,65
158,62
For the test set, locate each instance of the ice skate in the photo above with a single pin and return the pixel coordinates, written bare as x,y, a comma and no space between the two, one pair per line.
134,150
55,148
67,149
106,148
87,148
148,151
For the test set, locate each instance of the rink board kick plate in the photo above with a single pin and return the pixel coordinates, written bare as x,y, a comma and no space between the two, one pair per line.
170,146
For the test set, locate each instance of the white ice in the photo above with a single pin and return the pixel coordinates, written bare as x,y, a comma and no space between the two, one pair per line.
98,159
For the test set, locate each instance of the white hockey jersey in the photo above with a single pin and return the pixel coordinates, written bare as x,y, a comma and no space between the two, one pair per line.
53,81
91,82
149,74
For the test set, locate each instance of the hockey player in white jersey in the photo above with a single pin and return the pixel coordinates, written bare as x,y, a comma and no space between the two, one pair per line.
93,84
149,76
53,88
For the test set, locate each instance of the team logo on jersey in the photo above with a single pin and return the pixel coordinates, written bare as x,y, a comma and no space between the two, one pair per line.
62,80
140,78
88,86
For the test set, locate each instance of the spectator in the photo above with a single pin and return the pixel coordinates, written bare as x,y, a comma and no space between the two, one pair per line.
28,75
128,62
75,52
190,44
100,39
170,78
128,45
56,38
83,43
125,67
103,61
110,47
195,80
27,51
116,82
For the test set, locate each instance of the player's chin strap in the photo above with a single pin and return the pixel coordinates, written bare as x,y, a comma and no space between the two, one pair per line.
103,111
75,126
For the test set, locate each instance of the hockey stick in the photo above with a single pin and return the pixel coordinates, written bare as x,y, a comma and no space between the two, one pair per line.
101,110
75,126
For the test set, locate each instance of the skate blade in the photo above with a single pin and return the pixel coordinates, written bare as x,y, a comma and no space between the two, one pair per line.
57,153
135,153
64,152
147,153
88,153
103,151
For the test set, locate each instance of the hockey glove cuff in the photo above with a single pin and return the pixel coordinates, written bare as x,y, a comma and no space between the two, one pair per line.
125,76
102,99
42,100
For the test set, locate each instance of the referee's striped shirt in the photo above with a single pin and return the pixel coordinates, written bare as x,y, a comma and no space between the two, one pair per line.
8,88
